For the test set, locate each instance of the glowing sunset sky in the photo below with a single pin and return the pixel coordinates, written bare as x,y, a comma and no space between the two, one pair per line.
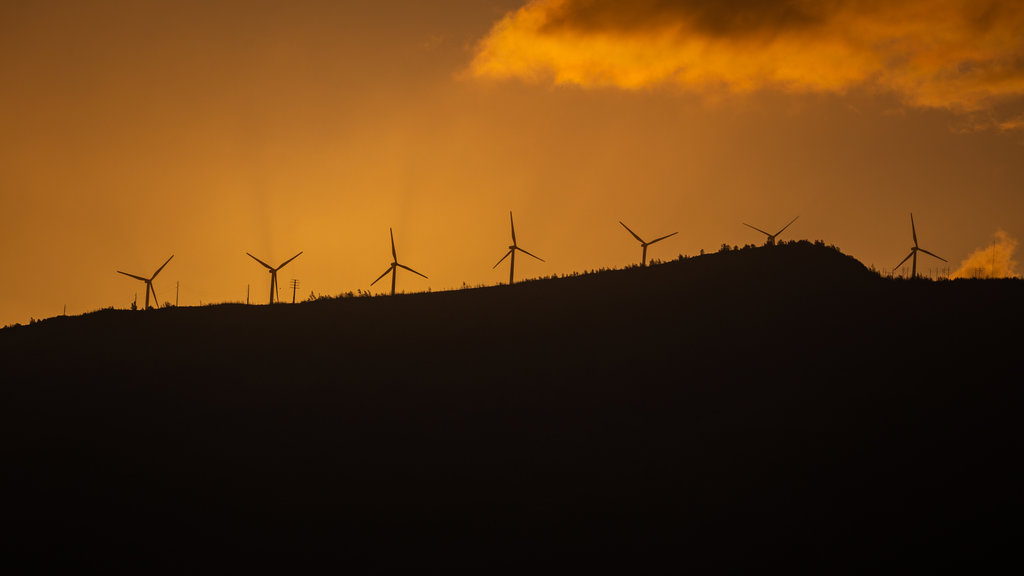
133,130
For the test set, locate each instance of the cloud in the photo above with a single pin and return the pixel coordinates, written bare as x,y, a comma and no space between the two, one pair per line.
1014,123
992,261
962,55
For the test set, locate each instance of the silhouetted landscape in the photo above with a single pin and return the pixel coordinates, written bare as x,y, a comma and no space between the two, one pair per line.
766,406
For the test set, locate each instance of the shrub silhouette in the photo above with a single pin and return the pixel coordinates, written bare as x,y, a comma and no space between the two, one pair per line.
755,399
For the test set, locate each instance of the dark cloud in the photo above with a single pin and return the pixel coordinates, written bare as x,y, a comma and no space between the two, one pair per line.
963,55
718,18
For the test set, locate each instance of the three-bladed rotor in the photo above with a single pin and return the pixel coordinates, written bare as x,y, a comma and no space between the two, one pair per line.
393,269
512,252
149,282
274,289
771,237
643,244
914,250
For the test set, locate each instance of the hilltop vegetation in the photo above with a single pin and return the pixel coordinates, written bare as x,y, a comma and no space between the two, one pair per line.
736,409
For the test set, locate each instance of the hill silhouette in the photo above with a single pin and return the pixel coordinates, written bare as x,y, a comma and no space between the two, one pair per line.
764,406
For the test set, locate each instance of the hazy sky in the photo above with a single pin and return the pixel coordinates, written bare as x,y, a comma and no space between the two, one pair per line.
133,130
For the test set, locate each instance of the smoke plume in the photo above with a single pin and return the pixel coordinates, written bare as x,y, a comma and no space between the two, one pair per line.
992,261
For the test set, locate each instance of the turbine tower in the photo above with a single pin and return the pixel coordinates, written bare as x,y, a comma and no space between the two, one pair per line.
913,252
771,237
644,245
393,270
273,274
149,282
512,252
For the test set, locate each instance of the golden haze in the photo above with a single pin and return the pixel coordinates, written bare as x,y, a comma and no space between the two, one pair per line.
133,131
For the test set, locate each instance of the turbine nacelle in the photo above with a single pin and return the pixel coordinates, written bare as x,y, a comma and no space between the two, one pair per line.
273,273
149,281
511,254
770,241
644,244
912,256
393,269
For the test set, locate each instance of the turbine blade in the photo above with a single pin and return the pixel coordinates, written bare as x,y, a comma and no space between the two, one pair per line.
513,224
756,228
502,259
149,286
912,229
134,276
662,238
904,260
930,254
638,239
786,226
382,275
160,268
528,254
289,260
277,288
411,270
268,266
394,254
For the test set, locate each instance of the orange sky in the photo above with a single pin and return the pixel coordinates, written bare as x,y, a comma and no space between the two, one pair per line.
136,130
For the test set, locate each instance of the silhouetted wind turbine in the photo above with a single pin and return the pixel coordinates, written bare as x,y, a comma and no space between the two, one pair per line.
394,266
273,274
643,260
771,237
512,252
914,250
149,282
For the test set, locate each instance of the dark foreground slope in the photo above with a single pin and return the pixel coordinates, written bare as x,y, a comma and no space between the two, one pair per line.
739,409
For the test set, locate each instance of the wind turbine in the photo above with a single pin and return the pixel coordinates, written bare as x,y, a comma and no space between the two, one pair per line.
771,237
644,245
914,250
512,252
273,274
149,282
393,270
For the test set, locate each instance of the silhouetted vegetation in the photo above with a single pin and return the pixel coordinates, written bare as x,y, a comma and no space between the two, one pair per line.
743,408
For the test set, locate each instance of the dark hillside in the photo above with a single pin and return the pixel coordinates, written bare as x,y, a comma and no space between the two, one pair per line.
743,408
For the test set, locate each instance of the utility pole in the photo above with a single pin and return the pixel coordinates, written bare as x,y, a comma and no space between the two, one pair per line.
295,286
